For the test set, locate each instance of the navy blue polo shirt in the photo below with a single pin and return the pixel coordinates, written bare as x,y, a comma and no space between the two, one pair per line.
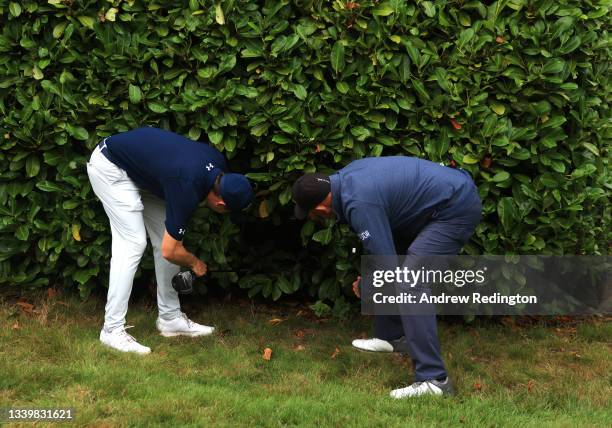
178,170
379,197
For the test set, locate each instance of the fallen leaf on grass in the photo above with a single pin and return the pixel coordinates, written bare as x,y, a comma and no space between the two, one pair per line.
477,386
26,307
298,348
15,326
300,333
335,353
275,321
267,354
509,322
530,385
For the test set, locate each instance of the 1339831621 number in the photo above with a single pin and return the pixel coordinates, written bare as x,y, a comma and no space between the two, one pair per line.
37,414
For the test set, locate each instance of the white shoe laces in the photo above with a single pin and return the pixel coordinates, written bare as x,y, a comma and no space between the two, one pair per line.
189,322
425,386
124,334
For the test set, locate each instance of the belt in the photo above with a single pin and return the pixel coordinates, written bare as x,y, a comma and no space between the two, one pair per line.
104,150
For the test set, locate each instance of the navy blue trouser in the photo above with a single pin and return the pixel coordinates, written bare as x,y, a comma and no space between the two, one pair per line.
445,234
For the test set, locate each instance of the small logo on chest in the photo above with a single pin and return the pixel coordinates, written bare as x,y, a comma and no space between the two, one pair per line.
209,167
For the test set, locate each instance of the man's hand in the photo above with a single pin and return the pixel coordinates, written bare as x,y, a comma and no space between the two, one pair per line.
356,287
199,268
175,252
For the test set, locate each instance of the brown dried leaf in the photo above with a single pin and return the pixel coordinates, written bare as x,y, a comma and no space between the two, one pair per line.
275,321
530,385
267,354
300,333
335,353
477,386
26,307
15,326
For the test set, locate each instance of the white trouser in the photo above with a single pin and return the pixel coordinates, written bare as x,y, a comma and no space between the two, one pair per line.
133,214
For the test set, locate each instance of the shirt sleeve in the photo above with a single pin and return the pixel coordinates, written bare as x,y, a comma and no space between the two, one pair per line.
222,163
371,223
182,198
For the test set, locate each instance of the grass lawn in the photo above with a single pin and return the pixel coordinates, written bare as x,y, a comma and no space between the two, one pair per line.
505,375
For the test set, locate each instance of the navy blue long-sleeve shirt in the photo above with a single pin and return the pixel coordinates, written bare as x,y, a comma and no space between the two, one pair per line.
178,170
378,197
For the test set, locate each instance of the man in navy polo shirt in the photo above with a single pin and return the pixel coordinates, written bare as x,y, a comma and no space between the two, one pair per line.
433,209
150,182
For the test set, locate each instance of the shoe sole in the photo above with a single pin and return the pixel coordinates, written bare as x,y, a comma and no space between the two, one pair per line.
175,334
124,352
369,351
443,395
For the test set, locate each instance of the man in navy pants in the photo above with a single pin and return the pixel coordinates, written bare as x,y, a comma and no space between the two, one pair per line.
391,200
150,182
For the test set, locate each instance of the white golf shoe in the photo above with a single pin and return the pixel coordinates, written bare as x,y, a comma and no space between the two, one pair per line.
120,340
373,345
182,326
428,387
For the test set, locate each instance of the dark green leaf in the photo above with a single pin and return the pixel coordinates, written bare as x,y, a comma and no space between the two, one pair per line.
337,56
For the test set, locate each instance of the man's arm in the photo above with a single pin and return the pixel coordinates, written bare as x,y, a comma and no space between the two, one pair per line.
371,224
182,198
174,251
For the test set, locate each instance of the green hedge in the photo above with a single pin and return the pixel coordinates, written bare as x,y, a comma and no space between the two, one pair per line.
515,91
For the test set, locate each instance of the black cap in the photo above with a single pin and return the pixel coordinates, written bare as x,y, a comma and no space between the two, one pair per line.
309,191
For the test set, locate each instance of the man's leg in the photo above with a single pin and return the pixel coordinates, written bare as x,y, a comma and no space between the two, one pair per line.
168,302
443,237
388,331
388,327
171,321
121,200
388,336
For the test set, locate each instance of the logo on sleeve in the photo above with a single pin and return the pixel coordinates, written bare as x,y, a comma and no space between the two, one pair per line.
181,231
364,235
210,166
